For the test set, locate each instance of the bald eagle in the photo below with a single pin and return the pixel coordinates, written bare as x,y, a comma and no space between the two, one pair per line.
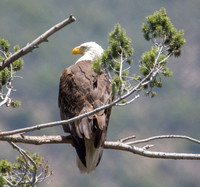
82,90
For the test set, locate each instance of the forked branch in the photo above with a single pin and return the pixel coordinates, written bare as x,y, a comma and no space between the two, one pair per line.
124,144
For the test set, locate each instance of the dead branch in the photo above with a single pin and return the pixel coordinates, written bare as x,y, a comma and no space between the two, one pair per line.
151,154
164,137
121,144
36,140
55,123
34,44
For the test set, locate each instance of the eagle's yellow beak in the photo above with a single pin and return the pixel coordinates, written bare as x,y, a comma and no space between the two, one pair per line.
77,50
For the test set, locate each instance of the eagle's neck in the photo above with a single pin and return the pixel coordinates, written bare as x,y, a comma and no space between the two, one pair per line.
86,57
90,56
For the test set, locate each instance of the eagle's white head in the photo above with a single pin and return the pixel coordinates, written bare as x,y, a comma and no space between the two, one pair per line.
89,50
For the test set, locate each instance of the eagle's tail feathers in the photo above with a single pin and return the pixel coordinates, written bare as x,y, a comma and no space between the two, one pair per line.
92,157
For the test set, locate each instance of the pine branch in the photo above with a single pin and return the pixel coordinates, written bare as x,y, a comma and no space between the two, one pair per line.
29,169
5,98
26,158
34,44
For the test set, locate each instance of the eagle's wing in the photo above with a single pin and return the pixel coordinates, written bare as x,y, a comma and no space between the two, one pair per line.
82,90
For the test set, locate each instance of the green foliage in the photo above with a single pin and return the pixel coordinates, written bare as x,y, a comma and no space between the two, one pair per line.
4,45
2,181
15,103
7,74
167,42
148,63
15,172
159,26
5,166
97,65
119,47
4,76
116,84
148,59
119,44
118,52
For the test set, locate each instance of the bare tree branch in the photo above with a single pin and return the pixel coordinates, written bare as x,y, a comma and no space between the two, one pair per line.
123,140
164,137
151,154
34,44
121,144
56,123
36,140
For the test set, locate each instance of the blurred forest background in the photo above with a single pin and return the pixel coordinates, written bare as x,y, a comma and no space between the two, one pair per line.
175,109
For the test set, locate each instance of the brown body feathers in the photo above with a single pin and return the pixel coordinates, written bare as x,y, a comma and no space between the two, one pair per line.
82,90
